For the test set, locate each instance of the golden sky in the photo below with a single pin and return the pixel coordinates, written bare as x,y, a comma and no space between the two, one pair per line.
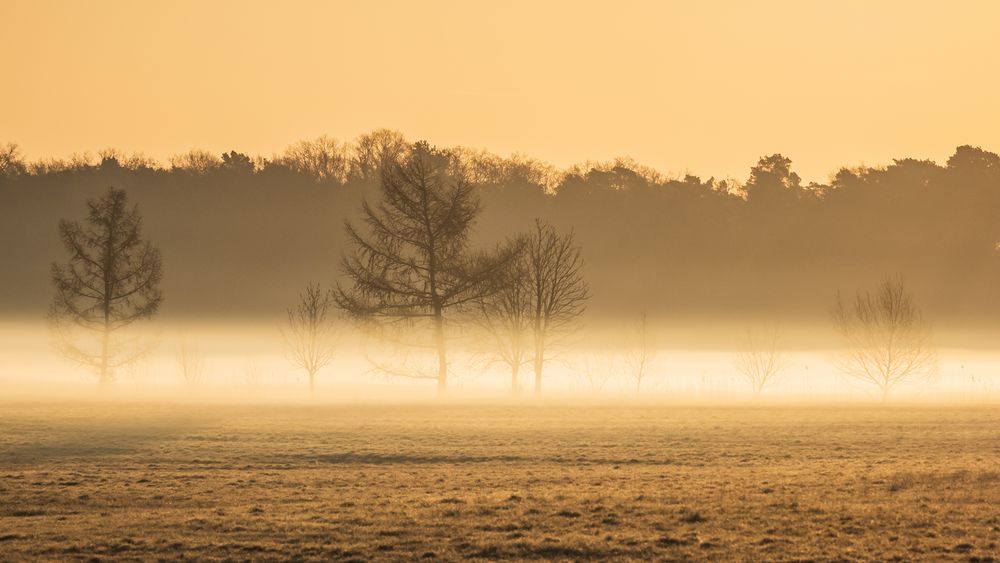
696,86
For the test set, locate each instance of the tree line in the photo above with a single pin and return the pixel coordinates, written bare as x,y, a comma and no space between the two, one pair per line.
677,245
412,275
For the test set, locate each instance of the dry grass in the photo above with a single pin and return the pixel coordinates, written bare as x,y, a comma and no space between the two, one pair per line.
81,482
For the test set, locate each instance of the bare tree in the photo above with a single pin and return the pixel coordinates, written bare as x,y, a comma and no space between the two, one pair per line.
11,163
760,360
374,151
539,294
414,264
252,374
111,281
640,354
323,159
196,162
887,340
311,333
190,365
597,368
558,292
116,158
505,315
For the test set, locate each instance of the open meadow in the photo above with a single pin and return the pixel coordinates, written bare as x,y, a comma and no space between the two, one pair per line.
95,481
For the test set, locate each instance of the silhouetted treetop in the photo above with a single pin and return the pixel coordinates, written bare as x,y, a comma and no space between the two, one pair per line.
237,163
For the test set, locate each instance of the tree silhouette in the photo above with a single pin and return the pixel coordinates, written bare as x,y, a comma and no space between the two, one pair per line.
311,334
111,281
887,340
195,161
374,151
974,159
760,360
323,159
558,292
772,182
414,263
640,353
190,364
237,163
505,314
11,163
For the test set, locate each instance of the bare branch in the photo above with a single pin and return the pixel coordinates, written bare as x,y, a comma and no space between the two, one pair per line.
887,340
761,359
311,333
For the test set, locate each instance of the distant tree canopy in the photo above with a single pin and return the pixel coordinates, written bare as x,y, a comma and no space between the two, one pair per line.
773,184
679,244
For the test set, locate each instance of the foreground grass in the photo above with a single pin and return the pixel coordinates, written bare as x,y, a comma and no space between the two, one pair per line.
102,481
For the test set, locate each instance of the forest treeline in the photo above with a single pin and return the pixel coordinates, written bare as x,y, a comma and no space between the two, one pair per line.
241,232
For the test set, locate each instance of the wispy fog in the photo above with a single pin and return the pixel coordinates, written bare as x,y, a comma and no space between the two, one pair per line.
247,362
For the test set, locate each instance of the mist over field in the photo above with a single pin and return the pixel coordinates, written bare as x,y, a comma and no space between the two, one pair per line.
241,363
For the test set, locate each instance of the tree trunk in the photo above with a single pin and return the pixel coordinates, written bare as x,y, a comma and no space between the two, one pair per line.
105,376
515,371
109,267
439,341
312,384
539,359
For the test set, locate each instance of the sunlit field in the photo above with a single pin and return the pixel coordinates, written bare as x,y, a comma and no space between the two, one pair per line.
84,481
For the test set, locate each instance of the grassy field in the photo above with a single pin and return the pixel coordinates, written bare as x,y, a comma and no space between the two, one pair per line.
106,481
